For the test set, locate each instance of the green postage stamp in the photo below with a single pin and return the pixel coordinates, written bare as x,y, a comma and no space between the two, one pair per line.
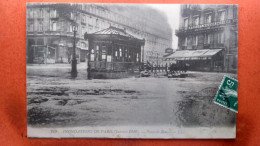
227,94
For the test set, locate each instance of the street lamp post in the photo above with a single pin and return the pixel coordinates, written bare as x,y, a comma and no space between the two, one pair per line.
74,59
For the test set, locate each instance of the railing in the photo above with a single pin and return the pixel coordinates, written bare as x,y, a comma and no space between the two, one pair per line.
54,33
113,66
205,26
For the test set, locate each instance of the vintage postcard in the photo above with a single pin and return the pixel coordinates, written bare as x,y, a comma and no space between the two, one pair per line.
129,70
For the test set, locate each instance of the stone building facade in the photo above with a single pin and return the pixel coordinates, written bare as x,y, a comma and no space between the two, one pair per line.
50,34
210,27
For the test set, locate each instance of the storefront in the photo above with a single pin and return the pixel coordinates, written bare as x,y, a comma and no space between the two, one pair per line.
199,60
47,50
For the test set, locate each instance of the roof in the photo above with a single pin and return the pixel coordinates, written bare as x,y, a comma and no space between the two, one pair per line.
116,31
193,54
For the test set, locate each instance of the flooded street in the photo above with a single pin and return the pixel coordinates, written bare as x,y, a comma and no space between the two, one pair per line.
61,101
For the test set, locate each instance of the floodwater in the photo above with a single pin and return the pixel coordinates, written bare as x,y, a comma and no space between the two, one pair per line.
60,101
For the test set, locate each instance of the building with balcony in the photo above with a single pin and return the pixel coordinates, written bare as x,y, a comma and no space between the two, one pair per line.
50,35
208,37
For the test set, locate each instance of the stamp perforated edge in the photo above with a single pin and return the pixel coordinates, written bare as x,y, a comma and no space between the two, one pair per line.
225,76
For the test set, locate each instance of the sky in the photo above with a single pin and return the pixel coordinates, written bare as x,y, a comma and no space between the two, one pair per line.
172,12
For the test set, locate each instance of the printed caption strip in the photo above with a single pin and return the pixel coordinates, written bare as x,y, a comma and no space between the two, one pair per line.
227,94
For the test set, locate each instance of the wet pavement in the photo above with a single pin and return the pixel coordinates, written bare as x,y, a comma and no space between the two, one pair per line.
61,101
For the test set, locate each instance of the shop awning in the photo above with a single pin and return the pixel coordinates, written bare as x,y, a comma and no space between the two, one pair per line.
194,54
211,53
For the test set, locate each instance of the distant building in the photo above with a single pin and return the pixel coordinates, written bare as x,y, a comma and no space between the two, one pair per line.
208,37
50,35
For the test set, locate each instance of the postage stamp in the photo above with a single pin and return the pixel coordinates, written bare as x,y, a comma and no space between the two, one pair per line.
227,94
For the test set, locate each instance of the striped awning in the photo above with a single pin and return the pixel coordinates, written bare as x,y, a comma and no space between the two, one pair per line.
203,54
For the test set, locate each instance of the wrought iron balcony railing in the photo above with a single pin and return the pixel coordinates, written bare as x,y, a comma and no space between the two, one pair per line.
52,33
205,26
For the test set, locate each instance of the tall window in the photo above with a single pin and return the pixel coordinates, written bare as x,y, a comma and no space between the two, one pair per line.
83,45
40,26
116,54
104,53
89,20
71,28
83,30
54,26
185,41
94,10
97,53
120,52
221,38
126,53
195,40
41,13
208,18
92,55
36,13
83,18
85,8
196,20
30,13
30,26
91,9
129,54
207,39
186,22
222,15
53,14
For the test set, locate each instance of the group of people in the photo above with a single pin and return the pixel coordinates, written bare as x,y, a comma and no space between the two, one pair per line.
178,67
173,67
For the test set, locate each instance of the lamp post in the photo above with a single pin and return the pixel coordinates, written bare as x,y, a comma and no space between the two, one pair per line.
74,59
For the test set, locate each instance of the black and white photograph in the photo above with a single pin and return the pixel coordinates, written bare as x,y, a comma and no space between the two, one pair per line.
100,70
